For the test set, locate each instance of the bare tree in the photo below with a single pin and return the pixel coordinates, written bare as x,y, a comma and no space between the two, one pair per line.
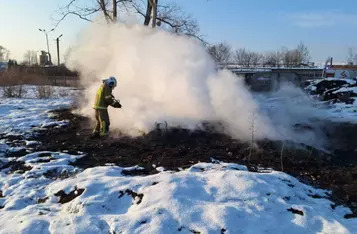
303,53
170,15
4,54
240,56
296,57
221,53
30,57
158,14
153,4
289,57
351,56
247,58
256,58
88,9
272,59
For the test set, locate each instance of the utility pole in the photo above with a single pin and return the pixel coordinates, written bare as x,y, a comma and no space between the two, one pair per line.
58,54
48,48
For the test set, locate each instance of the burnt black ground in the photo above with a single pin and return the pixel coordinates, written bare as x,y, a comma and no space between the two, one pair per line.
179,148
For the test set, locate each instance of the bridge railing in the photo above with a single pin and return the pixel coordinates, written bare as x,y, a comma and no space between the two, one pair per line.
248,70
255,67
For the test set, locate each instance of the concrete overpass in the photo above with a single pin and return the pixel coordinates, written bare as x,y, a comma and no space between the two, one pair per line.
266,78
305,73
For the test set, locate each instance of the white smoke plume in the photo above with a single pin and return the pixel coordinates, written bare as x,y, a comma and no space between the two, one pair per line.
163,77
290,106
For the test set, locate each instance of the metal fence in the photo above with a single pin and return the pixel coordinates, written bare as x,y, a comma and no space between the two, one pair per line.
64,80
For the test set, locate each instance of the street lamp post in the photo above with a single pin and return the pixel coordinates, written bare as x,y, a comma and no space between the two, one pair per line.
58,55
48,48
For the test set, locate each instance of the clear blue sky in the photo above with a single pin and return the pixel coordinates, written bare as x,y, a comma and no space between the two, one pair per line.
327,27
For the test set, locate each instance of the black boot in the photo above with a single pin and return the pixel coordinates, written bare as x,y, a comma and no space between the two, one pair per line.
95,135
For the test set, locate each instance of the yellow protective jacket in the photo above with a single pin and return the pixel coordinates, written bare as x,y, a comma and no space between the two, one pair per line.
103,97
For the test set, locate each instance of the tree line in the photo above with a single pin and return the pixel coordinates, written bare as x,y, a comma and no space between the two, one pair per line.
4,54
154,13
352,56
158,13
169,15
30,57
223,53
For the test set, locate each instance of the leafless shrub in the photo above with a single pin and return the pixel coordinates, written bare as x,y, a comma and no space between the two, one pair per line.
12,82
63,93
11,85
221,53
44,91
13,91
247,58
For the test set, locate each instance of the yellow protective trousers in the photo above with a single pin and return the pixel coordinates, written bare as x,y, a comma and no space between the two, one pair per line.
102,122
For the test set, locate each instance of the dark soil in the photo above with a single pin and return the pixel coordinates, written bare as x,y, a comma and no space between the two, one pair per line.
16,166
64,197
295,211
326,85
133,194
326,91
180,148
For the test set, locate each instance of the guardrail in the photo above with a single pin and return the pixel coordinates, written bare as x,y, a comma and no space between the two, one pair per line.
250,70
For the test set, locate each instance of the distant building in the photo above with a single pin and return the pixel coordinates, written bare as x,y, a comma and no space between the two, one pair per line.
339,71
44,60
3,66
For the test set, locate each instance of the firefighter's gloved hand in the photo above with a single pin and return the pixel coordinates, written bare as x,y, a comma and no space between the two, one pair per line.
116,104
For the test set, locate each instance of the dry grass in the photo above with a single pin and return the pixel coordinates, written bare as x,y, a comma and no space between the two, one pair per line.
12,82
16,77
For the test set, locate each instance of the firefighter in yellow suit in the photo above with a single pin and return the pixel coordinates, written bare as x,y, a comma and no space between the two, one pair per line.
103,99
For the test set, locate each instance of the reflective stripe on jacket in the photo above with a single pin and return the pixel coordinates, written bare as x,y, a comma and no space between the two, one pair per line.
103,97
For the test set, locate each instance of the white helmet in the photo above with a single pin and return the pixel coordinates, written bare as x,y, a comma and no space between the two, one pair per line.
111,81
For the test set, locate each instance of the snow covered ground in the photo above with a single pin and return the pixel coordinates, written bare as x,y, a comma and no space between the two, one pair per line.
47,195
206,198
21,115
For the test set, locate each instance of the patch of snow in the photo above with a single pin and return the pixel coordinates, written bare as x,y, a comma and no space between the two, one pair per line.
42,162
3,148
347,89
206,198
160,169
15,149
134,168
312,88
30,91
22,190
49,123
349,81
32,143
